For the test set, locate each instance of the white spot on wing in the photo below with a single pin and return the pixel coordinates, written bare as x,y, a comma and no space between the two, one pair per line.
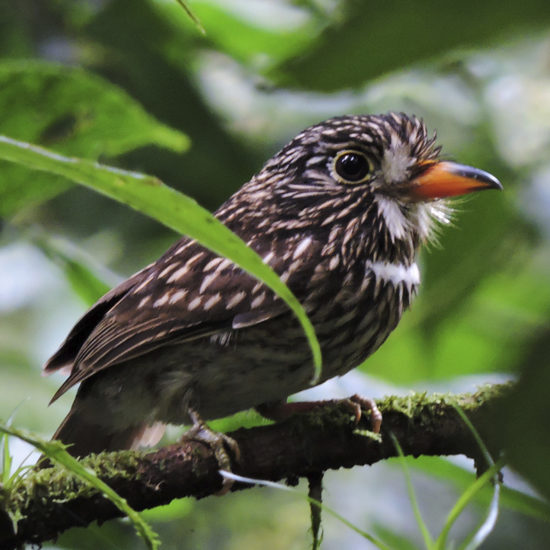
212,264
184,268
256,288
195,303
224,264
285,276
206,282
178,295
236,299
268,257
143,301
145,283
212,301
258,301
162,300
178,274
183,247
301,248
167,270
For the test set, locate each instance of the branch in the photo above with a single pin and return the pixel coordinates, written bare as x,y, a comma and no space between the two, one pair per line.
49,501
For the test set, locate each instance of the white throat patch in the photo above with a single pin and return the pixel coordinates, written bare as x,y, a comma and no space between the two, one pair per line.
395,273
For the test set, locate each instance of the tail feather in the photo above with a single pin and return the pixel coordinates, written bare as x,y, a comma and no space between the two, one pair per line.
84,437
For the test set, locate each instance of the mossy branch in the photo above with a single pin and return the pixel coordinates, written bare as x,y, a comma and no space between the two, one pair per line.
49,501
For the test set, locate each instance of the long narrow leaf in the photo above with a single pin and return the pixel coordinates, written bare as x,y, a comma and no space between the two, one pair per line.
55,451
150,196
461,478
463,501
6,459
191,15
412,496
488,524
490,474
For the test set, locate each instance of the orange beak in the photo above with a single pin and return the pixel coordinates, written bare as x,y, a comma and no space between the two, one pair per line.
449,179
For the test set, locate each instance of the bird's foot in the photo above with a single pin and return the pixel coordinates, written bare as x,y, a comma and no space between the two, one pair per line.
281,410
218,442
359,404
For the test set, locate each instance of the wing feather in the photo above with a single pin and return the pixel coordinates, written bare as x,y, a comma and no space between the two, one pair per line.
189,293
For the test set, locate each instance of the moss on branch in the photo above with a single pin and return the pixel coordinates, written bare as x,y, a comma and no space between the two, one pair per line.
47,502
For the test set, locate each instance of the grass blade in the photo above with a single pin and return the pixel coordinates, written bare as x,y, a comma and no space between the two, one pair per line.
6,459
56,452
489,524
412,497
491,474
464,500
191,15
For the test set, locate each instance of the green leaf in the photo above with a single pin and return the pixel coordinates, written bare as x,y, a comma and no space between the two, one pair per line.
251,38
150,196
83,278
75,111
461,478
477,537
373,38
412,495
6,458
466,498
523,417
191,15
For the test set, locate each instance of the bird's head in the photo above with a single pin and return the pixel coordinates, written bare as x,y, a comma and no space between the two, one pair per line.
363,171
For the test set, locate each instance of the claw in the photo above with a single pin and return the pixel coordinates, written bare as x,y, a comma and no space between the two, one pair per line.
280,410
218,442
359,403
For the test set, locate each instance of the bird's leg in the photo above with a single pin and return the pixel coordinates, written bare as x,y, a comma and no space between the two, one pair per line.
217,441
280,410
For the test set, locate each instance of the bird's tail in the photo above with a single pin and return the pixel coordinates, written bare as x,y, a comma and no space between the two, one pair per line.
84,437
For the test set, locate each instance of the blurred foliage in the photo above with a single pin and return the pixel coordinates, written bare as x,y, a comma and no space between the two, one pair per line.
117,79
424,31
85,116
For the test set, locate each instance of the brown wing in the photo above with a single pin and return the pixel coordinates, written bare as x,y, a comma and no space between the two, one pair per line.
189,293
65,355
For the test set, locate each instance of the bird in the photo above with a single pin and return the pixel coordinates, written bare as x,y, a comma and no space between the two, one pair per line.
340,214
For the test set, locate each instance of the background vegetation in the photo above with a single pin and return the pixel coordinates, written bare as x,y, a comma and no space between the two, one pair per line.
135,84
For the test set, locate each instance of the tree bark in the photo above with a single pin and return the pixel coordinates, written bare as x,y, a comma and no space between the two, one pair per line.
49,501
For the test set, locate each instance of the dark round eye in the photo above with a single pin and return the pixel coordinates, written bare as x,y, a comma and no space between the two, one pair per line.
351,166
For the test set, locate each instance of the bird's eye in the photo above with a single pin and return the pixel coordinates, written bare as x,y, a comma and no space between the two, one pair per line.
351,166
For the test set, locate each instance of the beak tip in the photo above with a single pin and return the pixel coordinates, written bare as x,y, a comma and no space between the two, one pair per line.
497,185
448,179
488,180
